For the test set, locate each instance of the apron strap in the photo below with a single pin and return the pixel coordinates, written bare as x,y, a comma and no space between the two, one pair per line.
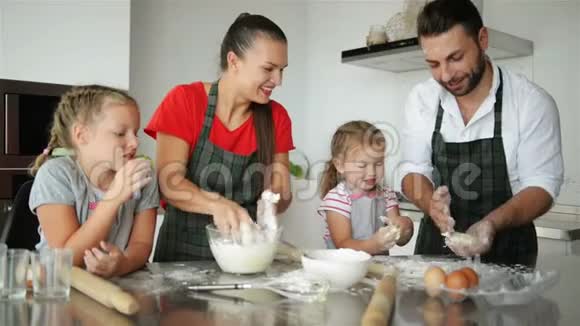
439,118
498,106
210,111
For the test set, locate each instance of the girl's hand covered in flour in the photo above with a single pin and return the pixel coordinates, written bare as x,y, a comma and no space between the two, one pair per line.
129,180
405,225
386,237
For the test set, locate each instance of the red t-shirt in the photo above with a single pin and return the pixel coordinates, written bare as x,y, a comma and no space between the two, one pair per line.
182,112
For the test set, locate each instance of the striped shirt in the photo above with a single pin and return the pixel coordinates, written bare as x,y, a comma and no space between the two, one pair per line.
340,200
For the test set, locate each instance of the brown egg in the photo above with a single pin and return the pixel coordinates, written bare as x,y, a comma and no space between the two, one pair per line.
434,278
471,275
456,281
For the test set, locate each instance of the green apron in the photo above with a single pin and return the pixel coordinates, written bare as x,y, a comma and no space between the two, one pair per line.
182,235
472,198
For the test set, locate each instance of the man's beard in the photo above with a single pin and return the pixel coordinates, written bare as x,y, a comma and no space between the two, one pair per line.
473,79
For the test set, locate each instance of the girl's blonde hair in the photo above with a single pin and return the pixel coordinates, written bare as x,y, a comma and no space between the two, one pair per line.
349,136
81,104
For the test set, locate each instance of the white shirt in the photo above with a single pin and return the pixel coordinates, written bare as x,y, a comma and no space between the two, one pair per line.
530,130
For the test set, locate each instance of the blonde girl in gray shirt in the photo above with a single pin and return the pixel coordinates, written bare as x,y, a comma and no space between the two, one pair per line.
101,201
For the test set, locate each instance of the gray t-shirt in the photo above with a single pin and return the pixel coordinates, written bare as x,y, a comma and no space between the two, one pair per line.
62,181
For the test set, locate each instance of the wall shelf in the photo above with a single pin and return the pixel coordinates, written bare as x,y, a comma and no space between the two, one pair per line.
406,55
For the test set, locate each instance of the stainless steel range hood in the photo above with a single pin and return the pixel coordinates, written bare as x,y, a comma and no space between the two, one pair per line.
406,55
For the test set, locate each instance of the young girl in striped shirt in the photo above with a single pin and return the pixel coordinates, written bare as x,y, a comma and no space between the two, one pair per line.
360,213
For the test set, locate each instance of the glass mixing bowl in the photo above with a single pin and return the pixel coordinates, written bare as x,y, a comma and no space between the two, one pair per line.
243,257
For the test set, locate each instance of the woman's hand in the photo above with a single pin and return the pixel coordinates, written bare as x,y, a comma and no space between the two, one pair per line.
228,215
133,176
106,261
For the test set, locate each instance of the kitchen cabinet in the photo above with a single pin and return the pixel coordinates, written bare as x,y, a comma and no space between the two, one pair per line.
558,234
558,247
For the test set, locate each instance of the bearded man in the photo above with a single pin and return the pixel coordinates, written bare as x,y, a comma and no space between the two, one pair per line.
481,145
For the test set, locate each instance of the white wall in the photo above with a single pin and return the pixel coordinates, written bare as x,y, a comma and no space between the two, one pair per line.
65,41
338,92
554,26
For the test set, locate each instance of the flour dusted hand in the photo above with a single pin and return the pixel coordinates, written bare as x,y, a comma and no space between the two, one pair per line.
267,210
476,241
439,209
229,215
405,225
459,240
129,180
267,226
386,237
249,233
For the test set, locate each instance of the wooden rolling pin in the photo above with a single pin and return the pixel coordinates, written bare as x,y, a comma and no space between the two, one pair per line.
103,291
295,254
380,307
91,312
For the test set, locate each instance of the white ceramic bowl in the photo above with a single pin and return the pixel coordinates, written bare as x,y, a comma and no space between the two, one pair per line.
341,267
233,257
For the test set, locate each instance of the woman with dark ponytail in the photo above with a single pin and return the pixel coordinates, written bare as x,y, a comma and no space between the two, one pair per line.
220,144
